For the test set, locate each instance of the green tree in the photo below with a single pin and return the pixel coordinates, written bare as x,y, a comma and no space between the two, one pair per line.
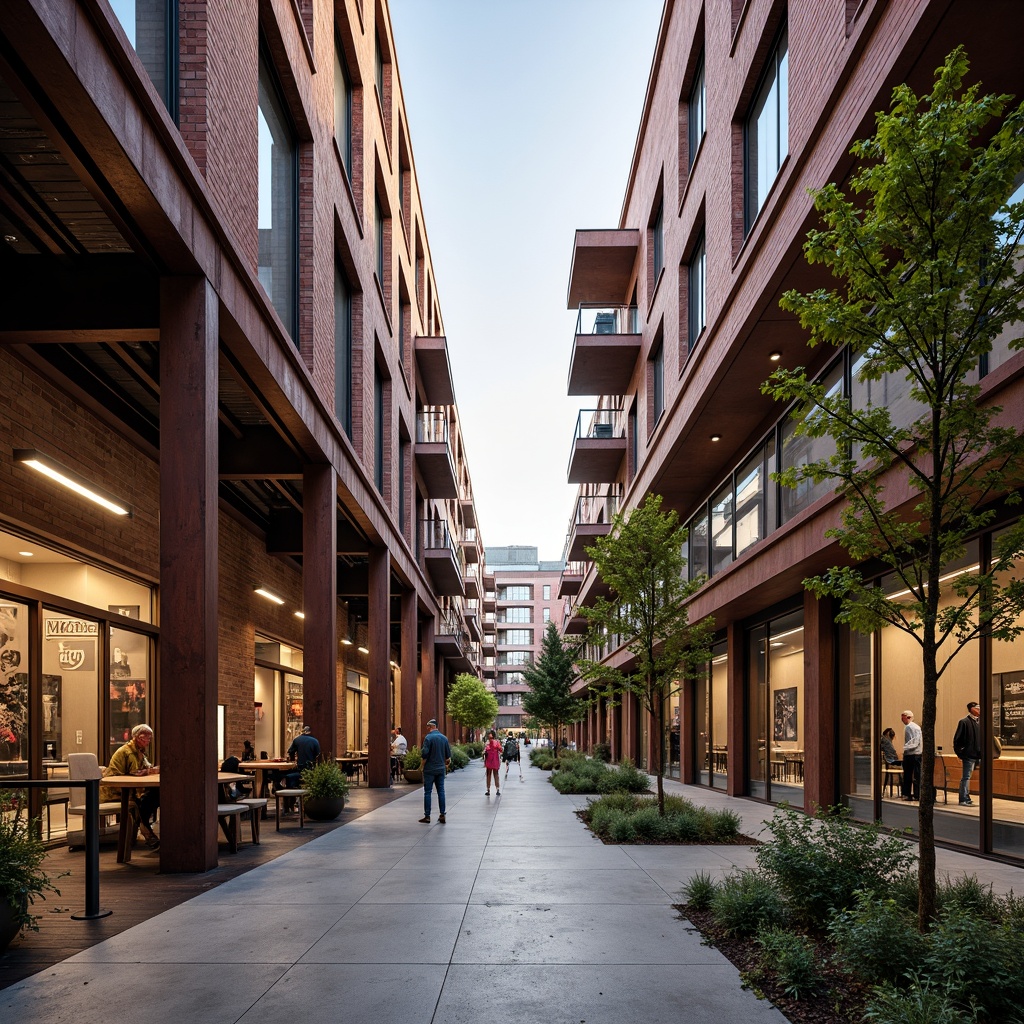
641,561
550,701
928,260
470,703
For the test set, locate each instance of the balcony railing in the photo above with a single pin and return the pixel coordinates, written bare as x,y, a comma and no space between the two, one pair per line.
598,424
596,318
432,427
594,508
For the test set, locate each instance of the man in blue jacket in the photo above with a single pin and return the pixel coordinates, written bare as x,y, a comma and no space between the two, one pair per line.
437,755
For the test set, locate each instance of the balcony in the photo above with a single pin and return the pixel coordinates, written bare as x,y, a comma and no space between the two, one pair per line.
571,580
472,582
490,600
592,518
470,545
451,640
472,614
598,447
433,455
605,350
441,560
434,370
490,670
602,265
468,511
573,623
489,647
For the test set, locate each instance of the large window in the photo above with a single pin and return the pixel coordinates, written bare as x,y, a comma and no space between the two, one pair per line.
658,243
278,201
378,236
378,429
697,276
721,528
342,352
515,593
767,130
342,108
516,615
657,383
515,636
696,119
152,28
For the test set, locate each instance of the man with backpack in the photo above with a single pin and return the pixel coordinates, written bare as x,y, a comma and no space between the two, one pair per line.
510,753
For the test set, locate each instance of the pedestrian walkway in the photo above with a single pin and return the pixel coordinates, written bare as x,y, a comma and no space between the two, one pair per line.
511,911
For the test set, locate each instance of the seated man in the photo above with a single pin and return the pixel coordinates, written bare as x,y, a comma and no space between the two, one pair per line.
130,759
304,751
399,748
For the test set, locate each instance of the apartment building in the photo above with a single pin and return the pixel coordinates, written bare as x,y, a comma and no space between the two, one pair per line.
526,600
221,320
750,105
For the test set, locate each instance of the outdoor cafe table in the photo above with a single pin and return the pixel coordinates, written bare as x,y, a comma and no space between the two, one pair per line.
129,782
260,769
354,762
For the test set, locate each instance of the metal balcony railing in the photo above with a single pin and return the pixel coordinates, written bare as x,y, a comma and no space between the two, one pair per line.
594,508
602,424
434,534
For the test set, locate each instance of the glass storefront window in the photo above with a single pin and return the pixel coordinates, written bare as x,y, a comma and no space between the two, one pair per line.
858,737
721,528
757,712
357,709
711,718
129,684
14,703
749,502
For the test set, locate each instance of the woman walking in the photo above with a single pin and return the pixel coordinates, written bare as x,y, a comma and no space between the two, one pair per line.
492,761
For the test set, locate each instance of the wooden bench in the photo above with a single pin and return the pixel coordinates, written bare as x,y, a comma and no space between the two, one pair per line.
290,794
228,815
257,805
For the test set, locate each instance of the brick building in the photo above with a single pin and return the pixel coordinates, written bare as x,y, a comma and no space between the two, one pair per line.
221,315
750,105
526,600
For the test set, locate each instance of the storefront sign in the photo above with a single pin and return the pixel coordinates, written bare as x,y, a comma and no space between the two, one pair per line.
64,629
77,655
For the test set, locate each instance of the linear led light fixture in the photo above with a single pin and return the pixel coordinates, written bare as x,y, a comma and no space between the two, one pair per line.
71,480
269,595
300,615
345,640
363,650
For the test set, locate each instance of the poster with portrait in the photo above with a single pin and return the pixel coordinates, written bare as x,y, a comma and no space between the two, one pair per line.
785,715
13,689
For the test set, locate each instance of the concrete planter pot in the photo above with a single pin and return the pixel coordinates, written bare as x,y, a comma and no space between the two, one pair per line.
323,808
413,775
9,926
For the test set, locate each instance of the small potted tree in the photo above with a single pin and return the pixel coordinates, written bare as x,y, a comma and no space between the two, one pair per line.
22,878
326,788
412,766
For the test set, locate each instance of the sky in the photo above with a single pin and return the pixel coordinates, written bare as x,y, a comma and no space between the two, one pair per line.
522,116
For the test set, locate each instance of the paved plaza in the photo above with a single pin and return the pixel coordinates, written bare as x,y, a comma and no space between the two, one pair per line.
511,911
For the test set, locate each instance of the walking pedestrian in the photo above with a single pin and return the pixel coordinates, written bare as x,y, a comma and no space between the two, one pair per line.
437,755
510,754
492,762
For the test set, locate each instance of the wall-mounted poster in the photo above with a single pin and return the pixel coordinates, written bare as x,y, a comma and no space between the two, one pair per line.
129,611
785,715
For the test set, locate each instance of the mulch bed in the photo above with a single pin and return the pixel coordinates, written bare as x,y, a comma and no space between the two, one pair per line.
841,1002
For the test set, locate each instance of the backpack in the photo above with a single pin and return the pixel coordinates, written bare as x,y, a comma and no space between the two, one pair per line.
511,749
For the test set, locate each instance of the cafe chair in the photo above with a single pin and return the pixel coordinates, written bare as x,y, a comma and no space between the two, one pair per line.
81,768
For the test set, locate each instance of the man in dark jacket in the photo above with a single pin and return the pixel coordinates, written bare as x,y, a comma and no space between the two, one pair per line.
437,755
304,750
967,746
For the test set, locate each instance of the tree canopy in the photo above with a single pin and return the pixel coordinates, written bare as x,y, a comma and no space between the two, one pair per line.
470,703
641,560
550,700
926,250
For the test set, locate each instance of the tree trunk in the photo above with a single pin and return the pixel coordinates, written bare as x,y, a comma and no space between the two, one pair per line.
658,715
926,809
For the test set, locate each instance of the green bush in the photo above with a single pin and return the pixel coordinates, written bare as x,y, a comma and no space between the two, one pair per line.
683,821
601,752
745,903
793,960
324,780
819,863
475,749
413,759
579,774
23,878
877,939
699,891
543,759
920,1004
460,757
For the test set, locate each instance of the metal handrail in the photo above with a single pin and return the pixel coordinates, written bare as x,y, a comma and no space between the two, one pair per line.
601,318
92,836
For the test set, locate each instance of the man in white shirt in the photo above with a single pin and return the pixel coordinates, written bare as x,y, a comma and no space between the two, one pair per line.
399,747
913,747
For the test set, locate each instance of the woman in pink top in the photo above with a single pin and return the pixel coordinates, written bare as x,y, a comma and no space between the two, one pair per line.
492,761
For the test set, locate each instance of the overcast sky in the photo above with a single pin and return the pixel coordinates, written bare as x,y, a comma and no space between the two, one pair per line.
523,115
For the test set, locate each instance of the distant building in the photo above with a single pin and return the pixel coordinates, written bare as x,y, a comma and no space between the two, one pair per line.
525,601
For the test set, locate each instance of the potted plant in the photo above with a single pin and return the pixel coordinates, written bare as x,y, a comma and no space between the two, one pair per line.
326,788
22,878
412,766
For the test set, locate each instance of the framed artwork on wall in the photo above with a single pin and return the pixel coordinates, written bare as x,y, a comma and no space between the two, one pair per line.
785,715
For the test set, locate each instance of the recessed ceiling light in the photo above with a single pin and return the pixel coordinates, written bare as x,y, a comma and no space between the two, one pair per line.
716,437
775,356
25,554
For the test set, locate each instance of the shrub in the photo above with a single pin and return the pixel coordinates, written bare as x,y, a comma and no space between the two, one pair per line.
413,759
819,863
460,757
747,902
324,780
792,958
920,1004
22,854
683,821
699,891
543,759
601,752
877,940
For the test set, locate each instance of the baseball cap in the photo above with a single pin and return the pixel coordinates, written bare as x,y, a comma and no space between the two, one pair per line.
431,721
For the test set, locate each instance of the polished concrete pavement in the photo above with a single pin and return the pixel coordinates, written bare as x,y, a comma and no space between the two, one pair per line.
511,911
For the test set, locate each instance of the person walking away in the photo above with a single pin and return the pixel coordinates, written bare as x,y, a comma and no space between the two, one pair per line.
437,755
967,746
492,762
913,747
510,754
